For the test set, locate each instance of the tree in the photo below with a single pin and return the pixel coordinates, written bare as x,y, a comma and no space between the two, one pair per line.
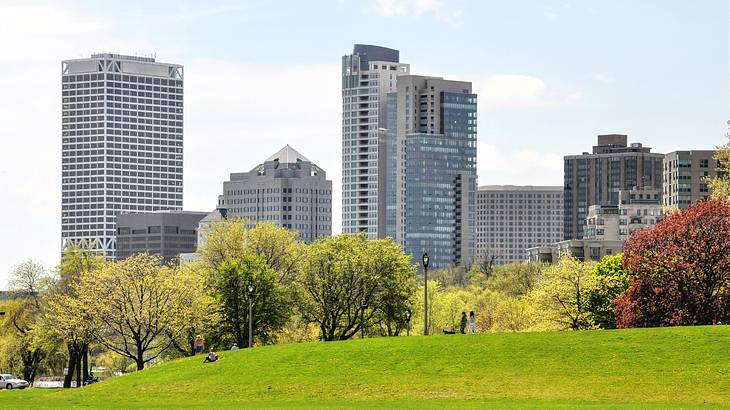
486,260
516,279
679,270
134,303
513,314
278,247
452,275
64,315
611,280
561,295
28,282
203,319
225,239
720,185
396,287
269,305
346,282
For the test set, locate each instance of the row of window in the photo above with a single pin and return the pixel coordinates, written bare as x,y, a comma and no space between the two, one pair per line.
120,77
109,84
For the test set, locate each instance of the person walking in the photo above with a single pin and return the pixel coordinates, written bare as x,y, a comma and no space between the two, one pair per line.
199,343
472,323
462,328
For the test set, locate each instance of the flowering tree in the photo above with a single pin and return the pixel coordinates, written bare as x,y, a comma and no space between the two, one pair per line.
679,270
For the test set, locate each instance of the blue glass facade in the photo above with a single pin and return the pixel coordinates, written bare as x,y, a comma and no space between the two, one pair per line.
440,184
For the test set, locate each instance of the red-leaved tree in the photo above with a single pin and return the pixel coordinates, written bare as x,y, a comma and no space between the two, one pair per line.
679,270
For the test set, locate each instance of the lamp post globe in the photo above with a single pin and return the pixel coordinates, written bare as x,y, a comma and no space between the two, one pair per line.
424,260
408,322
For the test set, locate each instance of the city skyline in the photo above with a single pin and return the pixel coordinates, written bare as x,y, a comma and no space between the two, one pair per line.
535,106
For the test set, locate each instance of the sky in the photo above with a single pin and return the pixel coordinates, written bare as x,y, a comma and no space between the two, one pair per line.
550,76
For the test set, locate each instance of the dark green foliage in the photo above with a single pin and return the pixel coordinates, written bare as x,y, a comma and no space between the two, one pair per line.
271,308
611,281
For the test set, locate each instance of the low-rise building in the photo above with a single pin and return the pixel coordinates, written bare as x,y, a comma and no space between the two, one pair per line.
581,249
166,233
638,210
607,227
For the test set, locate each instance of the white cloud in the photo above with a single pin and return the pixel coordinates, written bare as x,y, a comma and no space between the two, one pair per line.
511,91
389,8
525,164
603,78
436,8
237,115
426,6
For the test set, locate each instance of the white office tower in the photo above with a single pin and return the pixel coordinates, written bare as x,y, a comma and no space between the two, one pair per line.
122,134
368,75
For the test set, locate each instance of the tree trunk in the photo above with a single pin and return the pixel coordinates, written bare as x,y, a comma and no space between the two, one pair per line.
71,366
140,358
79,354
85,358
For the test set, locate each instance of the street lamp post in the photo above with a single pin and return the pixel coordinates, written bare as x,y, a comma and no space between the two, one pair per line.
250,314
408,322
424,259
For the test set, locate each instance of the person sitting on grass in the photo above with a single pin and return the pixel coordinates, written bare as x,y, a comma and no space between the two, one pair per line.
212,357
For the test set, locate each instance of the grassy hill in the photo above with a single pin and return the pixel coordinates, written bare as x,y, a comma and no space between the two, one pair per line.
647,368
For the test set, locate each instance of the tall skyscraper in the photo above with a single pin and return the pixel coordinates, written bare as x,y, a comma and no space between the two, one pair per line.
685,174
368,74
435,174
286,189
122,144
596,178
512,218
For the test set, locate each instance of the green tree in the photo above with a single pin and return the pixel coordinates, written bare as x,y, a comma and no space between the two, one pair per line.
561,294
28,284
720,185
396,286
516,279
269,304
348,282
64,315
202,318
610,280
135,303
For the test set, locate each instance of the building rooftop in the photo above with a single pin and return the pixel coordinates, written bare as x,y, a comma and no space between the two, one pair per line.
520,188
288,155
124,57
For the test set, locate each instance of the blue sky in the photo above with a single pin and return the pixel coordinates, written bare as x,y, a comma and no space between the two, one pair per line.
551,75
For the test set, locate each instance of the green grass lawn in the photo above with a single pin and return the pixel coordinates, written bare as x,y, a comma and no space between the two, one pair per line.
639,368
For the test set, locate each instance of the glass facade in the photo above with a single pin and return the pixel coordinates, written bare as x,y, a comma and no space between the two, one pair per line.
440,191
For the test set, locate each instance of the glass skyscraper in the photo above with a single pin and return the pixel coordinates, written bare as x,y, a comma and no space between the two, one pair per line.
368,74
436,169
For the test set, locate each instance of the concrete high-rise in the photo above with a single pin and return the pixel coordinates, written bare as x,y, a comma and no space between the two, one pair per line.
596,178
368,74
286,189
511,219
435,168
122,144
685,174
